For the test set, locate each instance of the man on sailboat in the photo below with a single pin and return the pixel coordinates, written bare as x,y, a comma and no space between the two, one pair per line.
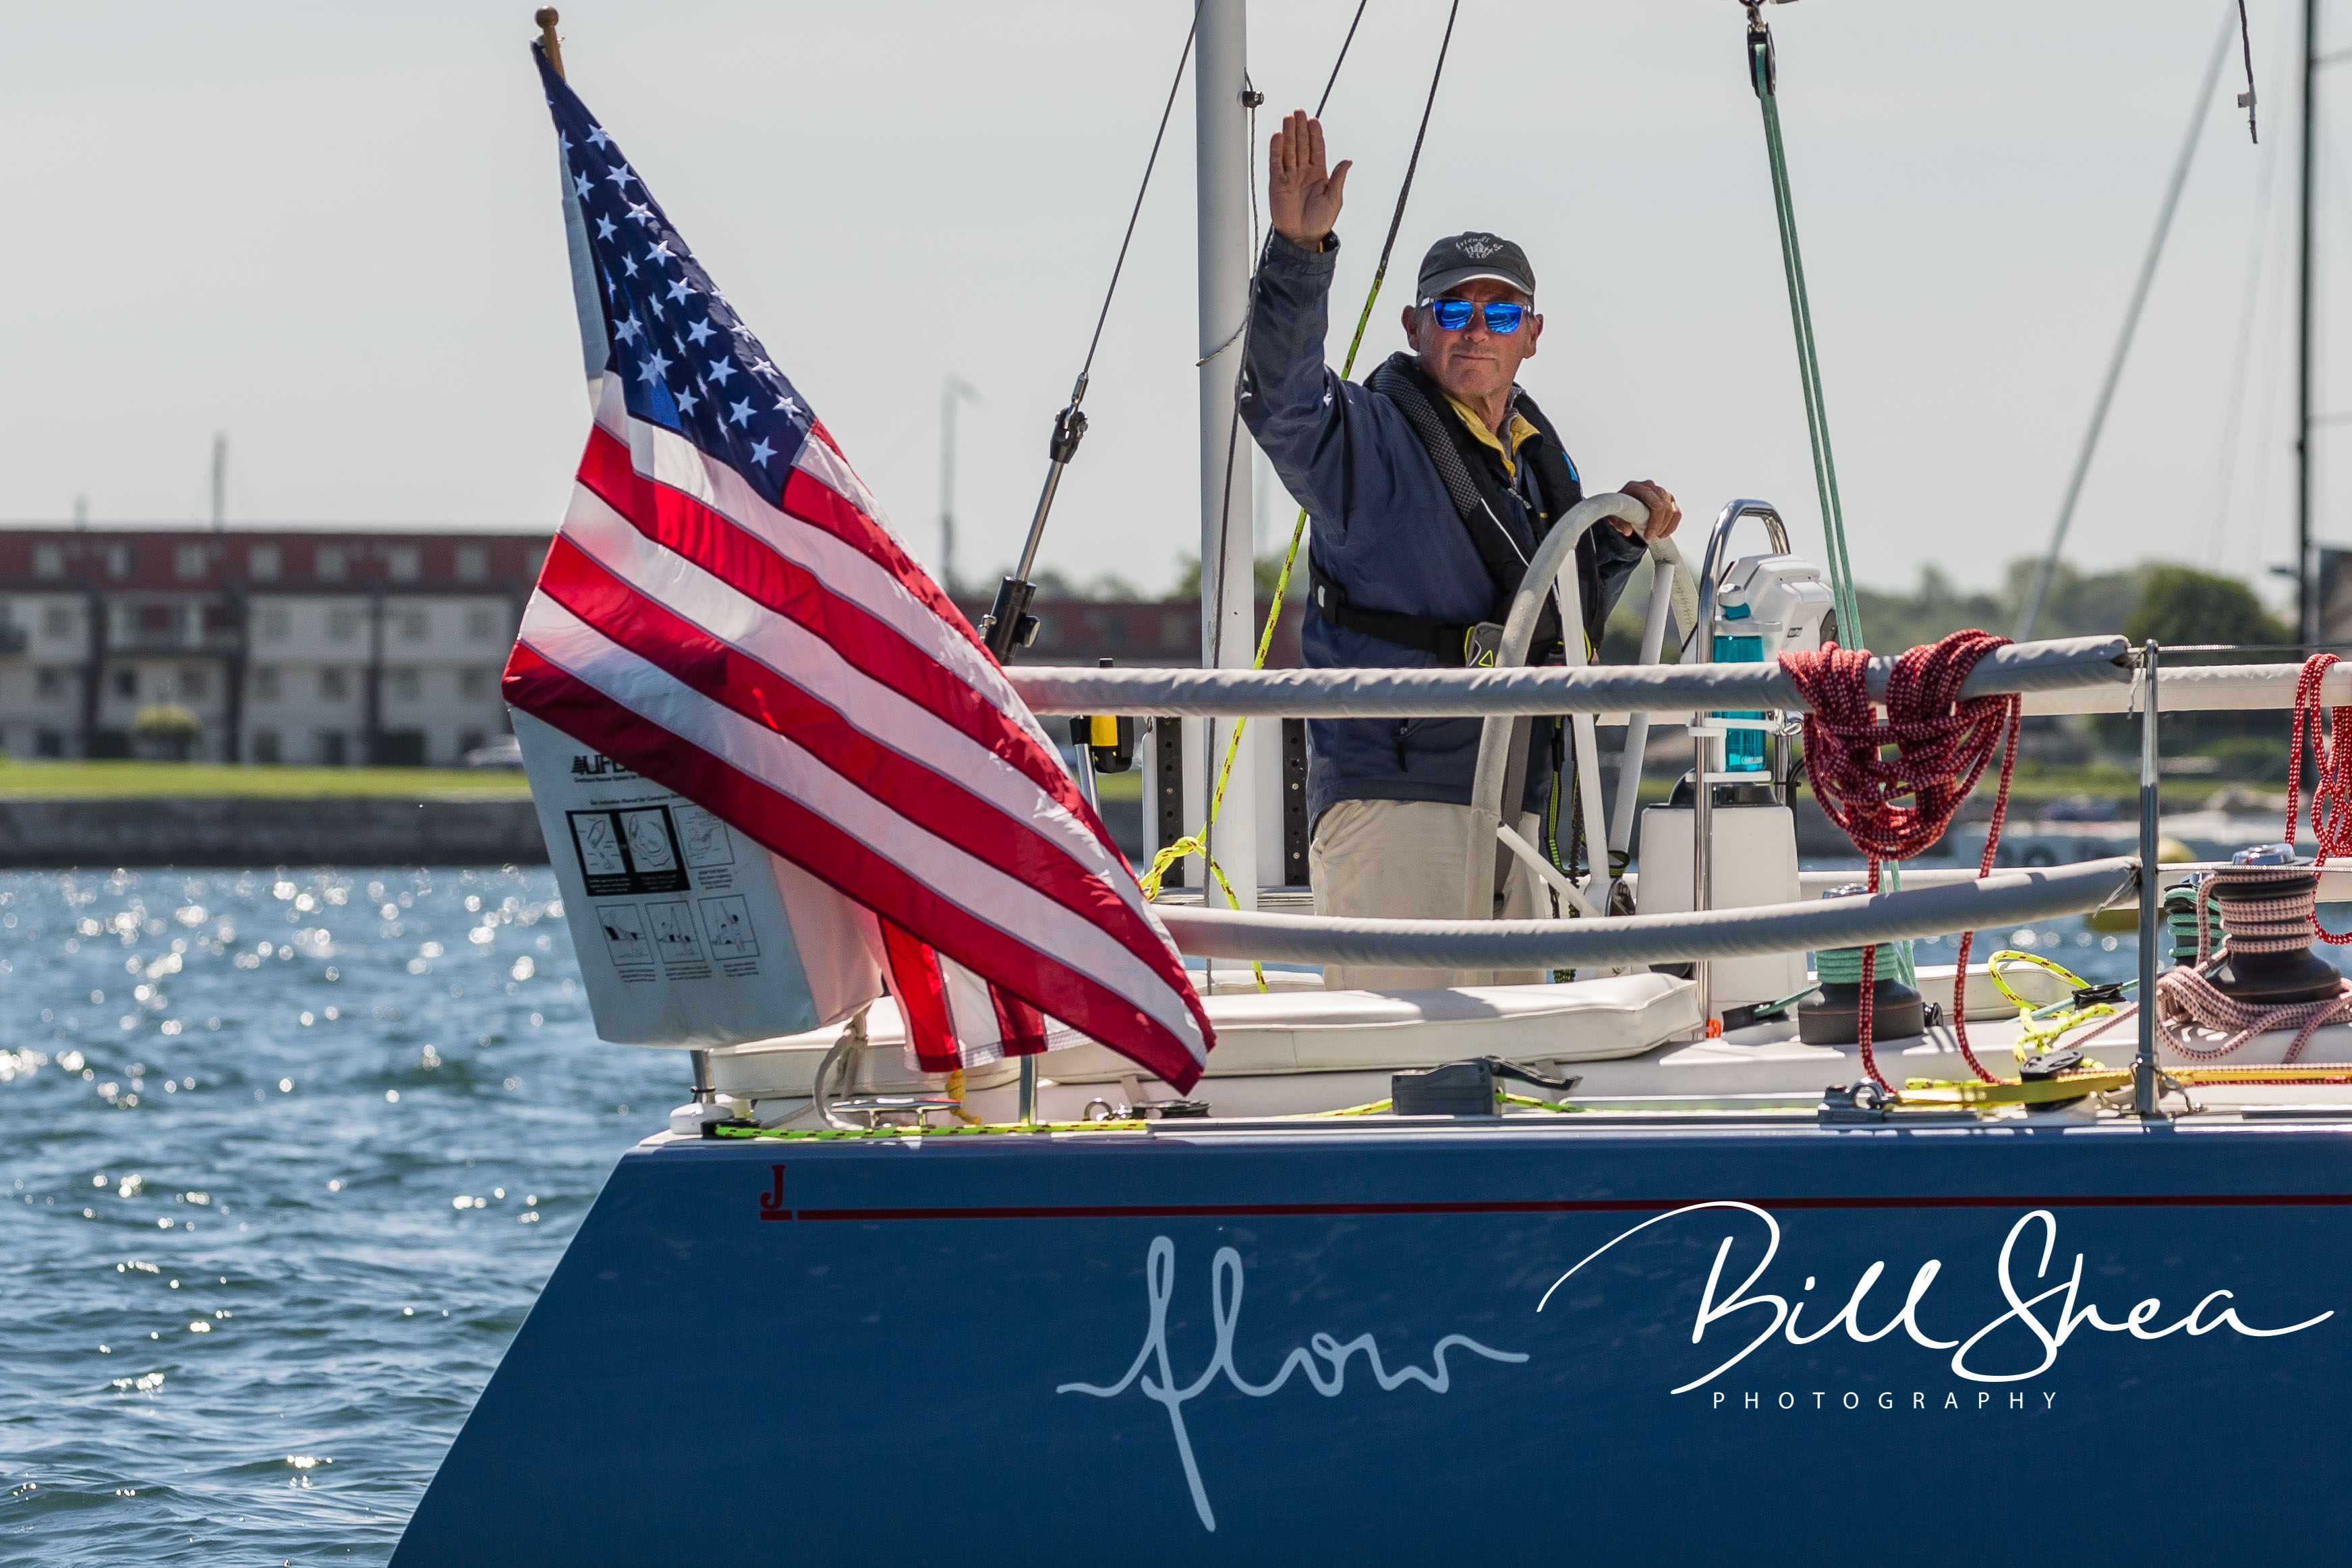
1430,485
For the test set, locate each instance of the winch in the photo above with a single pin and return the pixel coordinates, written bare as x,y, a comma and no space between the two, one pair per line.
1833,1016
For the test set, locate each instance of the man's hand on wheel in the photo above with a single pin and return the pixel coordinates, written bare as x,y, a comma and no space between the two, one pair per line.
1664,515
1304,200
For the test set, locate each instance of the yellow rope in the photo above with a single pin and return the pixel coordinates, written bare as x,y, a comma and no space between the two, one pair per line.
1196,844
2038,1035
989,1128
2040,1091
955,1093
2321,1072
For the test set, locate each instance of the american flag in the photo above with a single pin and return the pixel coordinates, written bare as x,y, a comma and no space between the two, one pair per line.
726,612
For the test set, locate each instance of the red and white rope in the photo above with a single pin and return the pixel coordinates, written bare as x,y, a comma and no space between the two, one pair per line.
1942,747
2330,731
2187,1000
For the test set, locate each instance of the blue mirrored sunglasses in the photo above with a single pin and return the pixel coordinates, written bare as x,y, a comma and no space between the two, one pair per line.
1502,317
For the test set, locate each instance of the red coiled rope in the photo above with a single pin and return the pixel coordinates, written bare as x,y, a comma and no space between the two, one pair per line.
1942,747
2331,798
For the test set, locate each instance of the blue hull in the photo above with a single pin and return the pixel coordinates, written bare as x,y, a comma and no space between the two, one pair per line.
1383,1344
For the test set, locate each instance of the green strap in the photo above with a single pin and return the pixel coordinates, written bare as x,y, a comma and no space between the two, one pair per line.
1801,314
1817,419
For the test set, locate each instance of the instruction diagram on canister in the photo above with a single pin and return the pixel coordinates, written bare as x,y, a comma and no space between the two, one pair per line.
703,837
625,938
599,843
727,922
652,843
674,937
628,850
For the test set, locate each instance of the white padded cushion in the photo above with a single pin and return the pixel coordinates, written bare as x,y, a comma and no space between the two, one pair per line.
1327,1032
1356,1031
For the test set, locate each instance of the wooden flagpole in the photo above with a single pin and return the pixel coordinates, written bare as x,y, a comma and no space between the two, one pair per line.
547,19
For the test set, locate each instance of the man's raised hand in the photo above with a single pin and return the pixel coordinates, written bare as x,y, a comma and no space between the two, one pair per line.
1304,199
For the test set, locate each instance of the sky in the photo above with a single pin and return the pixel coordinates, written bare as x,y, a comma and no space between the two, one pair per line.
332,232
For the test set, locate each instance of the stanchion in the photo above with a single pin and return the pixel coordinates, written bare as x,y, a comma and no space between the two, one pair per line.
2146,1083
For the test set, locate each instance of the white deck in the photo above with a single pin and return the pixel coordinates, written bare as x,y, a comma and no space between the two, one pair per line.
1632,1041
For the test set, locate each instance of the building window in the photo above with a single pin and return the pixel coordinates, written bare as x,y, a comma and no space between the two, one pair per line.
331,564
327,746
414,625
469,740
49,743
49,562
479,626
118,561
264,746
342,626
533,559
192,685
188,561
473,564
473,685
334,685
401,564
273,624
50,683
261,565
59,621
266,685
405,687
126,683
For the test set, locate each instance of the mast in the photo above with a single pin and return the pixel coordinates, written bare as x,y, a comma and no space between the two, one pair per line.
1227,518
2305,609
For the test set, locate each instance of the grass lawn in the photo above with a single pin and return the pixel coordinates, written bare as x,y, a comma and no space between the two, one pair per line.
96,780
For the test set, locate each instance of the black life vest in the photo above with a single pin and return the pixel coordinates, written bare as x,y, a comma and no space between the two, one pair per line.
1465,467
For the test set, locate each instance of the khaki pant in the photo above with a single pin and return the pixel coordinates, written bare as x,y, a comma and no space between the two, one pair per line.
1409,860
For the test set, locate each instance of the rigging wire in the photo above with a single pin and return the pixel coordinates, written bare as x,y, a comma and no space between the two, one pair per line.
1136,211
1762,77
2131,326
2272,337
1008,623
2246,99
1334,80
2234,424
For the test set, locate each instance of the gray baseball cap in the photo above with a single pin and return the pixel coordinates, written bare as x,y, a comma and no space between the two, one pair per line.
1461,258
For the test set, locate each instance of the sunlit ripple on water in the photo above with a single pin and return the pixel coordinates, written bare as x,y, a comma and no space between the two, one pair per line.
297,1148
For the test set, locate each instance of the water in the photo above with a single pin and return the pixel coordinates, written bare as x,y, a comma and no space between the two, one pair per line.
284,1158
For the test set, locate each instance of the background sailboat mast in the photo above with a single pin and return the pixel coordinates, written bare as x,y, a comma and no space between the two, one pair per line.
2306,603
1228,635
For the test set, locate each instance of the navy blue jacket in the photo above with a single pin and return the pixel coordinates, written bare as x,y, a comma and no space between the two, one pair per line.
1386,532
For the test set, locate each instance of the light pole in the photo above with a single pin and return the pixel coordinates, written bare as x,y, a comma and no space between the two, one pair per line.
953,390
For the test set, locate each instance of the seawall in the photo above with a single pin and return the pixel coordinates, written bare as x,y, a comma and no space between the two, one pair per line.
247,831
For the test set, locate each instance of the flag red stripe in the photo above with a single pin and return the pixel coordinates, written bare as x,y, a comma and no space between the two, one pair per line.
946,808
739,558
922,994
1018,1024
809,841
818,504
